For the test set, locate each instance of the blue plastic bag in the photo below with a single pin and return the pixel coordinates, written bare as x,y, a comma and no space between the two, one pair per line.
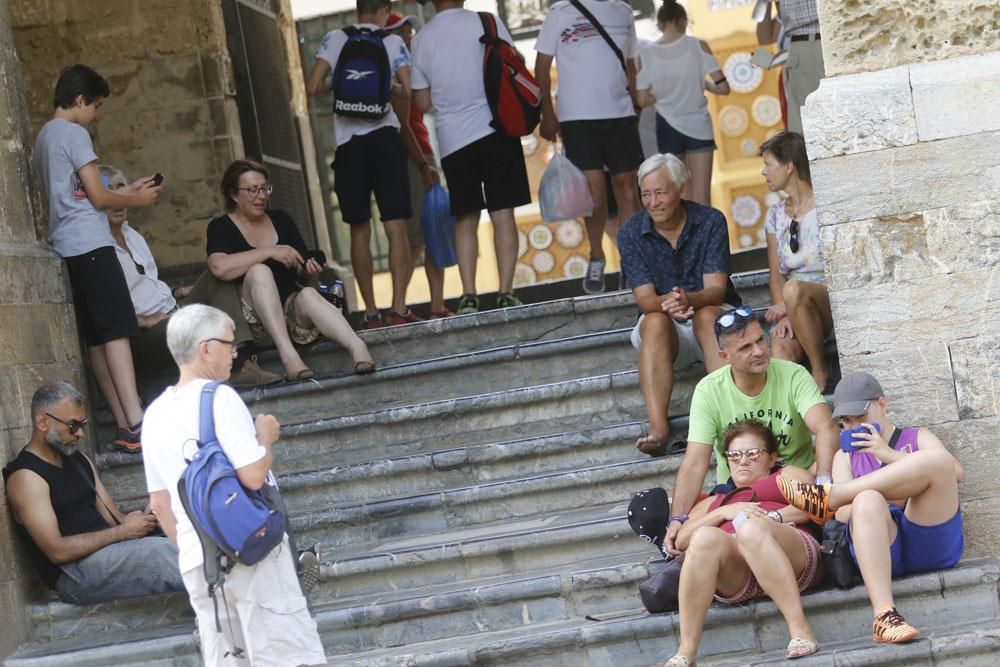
438,226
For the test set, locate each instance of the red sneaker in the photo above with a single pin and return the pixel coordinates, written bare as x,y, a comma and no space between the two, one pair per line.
372,321
392,318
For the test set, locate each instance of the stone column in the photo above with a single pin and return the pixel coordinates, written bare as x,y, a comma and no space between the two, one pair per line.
904,145
37,328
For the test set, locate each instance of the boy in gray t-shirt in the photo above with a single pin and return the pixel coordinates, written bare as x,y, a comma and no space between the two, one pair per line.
78,230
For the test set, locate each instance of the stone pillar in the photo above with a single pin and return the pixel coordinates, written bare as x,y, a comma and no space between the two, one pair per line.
904,145
37,328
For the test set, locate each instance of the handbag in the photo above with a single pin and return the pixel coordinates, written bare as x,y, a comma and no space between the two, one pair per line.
659,592
841,570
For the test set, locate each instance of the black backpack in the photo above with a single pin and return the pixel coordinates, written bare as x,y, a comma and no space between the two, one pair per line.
362,78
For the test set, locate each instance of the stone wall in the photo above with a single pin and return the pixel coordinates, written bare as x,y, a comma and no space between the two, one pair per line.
906,170
870,35
37,328
172,107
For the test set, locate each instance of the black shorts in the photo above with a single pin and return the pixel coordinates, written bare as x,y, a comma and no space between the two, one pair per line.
593,144
372,162
669,140
104,310
494,166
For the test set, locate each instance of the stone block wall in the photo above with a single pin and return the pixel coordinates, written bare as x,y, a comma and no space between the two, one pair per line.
906,170
37,328
172,107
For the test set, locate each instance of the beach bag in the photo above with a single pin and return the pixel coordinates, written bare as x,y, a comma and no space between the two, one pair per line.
362,78
512,93
659,592
563,193
438,225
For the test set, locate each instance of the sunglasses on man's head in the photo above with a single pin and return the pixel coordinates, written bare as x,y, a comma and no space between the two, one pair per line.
793,236
73,425
734,455
729,319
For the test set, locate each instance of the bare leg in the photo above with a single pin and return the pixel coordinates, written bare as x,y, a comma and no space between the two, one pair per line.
361,262
704,331
312,310
872,532
261,294
99,365
467,249
399,262
435,280
118,354
712,562
699,187
414,253
627,196
505,241
787,349
809,312
777,558
599,218
656,376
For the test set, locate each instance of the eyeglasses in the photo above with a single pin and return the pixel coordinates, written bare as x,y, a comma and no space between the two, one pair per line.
258,189
73,425
793,236
231,343
735,455
731,318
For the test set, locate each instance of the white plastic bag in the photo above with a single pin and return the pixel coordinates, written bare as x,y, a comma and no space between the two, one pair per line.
563,193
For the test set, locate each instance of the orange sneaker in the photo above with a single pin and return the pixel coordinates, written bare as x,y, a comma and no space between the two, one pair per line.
813,499
890,628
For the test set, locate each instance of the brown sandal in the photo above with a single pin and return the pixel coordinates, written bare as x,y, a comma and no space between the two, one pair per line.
304,374
364,367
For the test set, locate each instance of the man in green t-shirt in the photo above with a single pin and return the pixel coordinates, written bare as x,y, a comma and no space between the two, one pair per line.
777,393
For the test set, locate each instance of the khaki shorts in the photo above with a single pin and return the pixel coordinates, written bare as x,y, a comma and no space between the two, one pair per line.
688,349
300,335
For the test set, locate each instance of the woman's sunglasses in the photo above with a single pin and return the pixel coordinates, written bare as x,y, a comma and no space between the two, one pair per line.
793,236
73,425
734,455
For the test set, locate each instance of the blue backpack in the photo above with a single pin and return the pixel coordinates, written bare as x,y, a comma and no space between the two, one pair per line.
243,525
362,78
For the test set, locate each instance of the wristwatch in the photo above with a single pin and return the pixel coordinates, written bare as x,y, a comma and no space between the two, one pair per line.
775,515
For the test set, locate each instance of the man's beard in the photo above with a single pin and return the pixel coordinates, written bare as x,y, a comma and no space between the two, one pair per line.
56,443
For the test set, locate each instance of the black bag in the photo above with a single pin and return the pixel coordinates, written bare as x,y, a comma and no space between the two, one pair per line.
659,592
841,571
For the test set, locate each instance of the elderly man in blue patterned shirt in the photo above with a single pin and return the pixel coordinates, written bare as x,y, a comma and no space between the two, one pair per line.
675,255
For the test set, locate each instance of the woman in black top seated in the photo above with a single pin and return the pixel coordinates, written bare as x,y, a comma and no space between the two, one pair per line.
263,249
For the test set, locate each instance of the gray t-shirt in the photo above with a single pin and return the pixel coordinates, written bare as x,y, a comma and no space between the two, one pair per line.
75,226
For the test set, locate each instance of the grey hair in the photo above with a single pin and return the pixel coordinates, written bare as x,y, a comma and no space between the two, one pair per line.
52,394
190,326
114,175
676,170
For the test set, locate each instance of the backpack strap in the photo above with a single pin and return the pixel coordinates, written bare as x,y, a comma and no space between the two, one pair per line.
490,33
604,33
206,413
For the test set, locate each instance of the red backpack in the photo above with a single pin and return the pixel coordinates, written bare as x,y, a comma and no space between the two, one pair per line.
512,93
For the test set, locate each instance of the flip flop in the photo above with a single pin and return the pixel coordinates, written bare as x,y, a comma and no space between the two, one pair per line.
679,661
304,374
364,367
799,647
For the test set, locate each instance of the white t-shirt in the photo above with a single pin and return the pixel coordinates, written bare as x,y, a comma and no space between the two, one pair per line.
676,74
75,226
448,59
170,432
592,83
150,295
345,127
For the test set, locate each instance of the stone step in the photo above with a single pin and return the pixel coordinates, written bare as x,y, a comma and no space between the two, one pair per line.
390,433
384,523
540,620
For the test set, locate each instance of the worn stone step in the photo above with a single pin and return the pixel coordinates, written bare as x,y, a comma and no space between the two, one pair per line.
385,522
390,433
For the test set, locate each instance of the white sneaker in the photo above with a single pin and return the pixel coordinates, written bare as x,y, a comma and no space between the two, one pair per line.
593,282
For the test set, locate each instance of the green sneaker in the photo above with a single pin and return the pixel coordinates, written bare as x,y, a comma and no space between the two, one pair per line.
508,300
469,303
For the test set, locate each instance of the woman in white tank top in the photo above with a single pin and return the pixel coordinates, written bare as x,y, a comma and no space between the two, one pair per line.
672,77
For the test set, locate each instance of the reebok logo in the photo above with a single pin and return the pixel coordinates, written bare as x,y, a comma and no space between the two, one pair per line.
360,107
355,75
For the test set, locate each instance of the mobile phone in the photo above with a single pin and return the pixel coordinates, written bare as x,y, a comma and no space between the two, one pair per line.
157,178
318,255
847,438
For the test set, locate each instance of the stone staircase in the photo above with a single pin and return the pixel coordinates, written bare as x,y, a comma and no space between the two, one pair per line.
470,498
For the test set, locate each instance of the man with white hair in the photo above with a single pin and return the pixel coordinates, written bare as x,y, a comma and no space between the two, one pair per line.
267,613
675,256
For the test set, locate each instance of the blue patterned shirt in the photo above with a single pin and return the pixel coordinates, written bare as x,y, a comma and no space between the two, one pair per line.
702,247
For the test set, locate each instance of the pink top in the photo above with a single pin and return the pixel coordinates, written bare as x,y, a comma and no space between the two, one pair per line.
764,492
